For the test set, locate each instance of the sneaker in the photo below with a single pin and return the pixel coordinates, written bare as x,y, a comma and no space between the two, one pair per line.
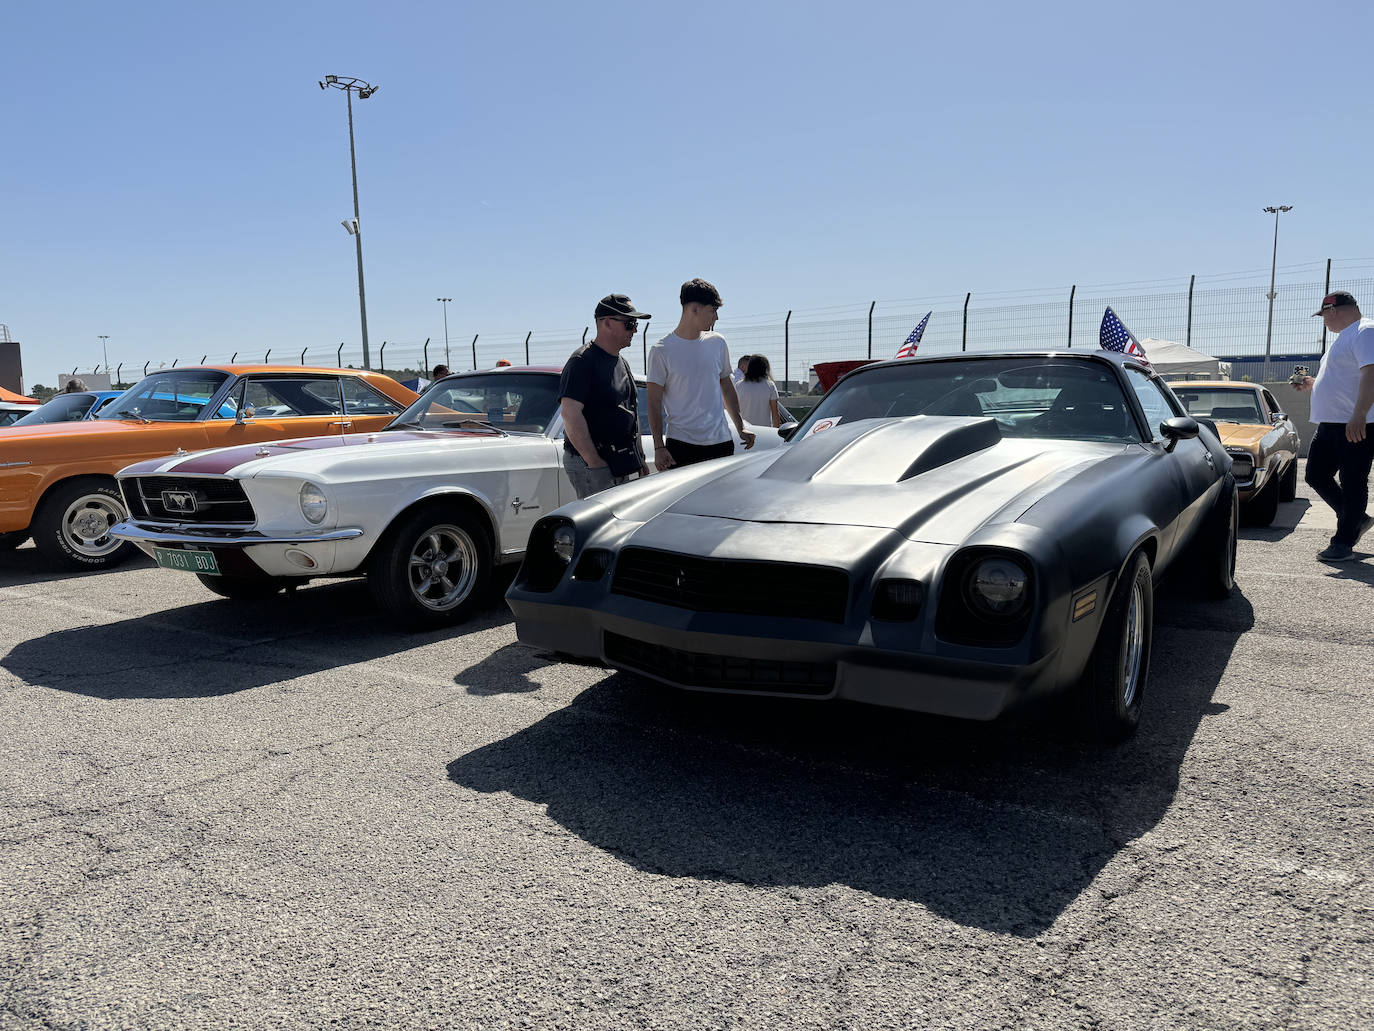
1337,553
1365,527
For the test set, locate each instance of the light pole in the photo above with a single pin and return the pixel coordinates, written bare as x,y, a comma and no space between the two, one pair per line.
1273,268
444,301
364,90
104,351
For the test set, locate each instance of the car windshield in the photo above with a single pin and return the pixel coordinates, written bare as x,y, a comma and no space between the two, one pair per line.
1029,397
512,401
60,408
172,396
1220,404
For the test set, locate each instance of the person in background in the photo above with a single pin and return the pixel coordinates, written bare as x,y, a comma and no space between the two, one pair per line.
600,403
440,371
503,363
740,369
758,394
689,377
74,386
1343,409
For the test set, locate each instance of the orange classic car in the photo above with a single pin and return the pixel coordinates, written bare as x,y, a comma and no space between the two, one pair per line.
1257,434
57,481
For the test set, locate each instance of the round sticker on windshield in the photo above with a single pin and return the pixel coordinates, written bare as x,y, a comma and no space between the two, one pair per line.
824,424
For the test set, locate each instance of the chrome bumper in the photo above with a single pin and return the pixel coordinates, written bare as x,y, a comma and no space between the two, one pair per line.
223,538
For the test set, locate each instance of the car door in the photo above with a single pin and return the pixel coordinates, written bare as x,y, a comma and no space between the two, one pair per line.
365,409
278,406
1192,463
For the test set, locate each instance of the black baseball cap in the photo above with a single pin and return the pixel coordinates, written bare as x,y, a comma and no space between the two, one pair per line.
1339,299
618,306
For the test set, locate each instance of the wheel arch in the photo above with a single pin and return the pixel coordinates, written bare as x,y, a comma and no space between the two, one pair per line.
107,479
466,500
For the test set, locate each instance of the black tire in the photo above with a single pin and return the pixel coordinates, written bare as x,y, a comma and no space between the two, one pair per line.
406,579
1261,509
70,524
243,588
10,541
1112,690
1288,484
1212,558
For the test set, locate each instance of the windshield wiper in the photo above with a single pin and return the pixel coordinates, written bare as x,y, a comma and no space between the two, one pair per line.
132,413
474,422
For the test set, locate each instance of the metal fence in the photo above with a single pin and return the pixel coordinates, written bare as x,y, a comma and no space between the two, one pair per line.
1224,315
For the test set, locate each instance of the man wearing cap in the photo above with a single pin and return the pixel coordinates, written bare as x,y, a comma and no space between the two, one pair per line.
689,382
600,403
1343,409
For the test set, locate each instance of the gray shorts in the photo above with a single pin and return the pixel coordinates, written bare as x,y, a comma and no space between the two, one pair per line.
587,481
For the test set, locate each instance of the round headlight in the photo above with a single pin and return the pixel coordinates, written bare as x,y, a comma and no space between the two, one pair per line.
314,505
997,587
564,540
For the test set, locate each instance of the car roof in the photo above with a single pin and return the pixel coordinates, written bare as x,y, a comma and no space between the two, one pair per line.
240,369
1215,383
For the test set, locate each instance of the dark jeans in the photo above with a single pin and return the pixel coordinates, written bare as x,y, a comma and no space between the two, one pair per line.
690,454
1331,454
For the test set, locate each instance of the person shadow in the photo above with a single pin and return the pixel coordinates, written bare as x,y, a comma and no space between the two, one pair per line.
996,825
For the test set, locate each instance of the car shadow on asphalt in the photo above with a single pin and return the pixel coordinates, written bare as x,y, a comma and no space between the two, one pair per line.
1288,519
993,825
221,647
28,565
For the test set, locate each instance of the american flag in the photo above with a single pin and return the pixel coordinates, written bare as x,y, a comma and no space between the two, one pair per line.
1114,336
912,342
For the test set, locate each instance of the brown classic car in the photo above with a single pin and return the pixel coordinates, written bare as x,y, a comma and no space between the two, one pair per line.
57,481
1257,434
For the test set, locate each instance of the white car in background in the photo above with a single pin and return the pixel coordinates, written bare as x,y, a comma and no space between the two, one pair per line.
423,508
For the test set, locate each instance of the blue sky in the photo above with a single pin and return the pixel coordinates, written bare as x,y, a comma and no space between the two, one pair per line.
173,176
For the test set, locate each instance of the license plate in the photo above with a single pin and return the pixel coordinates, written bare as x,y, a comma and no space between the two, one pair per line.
187,560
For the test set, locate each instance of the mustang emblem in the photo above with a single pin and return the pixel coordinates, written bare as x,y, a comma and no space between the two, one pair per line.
182,501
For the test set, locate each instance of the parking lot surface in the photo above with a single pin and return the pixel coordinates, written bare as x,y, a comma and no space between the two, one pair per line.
286,814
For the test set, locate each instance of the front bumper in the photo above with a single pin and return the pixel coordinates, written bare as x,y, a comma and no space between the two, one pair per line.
706,652
247,552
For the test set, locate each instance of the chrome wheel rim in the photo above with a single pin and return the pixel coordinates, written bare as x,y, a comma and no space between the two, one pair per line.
86,525
1133,650
442,567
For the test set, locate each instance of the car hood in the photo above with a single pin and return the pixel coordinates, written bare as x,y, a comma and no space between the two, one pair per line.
933,479
323,457
1242,434
88,428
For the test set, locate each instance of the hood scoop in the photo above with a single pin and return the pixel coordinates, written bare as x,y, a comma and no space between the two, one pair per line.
886,451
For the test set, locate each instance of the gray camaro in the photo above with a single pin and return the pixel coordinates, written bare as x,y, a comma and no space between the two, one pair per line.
950,535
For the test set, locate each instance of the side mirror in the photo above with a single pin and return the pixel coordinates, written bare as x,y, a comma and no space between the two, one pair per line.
786,430
1180,427
245,413
1278,417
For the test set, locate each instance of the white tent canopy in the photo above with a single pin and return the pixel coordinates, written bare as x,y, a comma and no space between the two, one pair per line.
1171,358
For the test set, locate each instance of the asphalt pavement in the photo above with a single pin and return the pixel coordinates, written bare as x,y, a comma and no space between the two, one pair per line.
285,814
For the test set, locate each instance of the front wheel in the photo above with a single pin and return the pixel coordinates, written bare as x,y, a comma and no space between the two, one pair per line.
1288,486
72,525
432,568
1112,690
1262,508
243,588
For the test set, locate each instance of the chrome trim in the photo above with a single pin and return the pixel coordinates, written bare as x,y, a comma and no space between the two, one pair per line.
13,465
198,535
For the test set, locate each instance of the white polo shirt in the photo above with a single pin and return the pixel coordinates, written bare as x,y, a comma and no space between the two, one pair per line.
1338,380
690,371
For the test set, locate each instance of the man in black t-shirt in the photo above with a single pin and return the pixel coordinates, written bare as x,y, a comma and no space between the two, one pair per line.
600,404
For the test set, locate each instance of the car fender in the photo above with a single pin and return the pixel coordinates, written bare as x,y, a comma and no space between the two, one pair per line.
448,492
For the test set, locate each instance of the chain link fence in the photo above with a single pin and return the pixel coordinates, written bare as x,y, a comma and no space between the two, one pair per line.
1225,316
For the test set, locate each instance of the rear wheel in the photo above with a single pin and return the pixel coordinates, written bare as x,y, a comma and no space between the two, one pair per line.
72,524
243,588
432,568
1288,485
1112,690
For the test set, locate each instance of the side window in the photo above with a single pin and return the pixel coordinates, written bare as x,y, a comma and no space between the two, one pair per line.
361,399
1157,404
1269,400
229,407
292,397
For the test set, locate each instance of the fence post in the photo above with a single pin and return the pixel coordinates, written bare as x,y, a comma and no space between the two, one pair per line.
117,369
233,358
1188,337
338,358
474,350
644,342
174,362
870,328
202,360
381,359
266,356
786,347
1071,293
584,335
145,368
964,346
425,371
73,370
1324,293
527,346
303,350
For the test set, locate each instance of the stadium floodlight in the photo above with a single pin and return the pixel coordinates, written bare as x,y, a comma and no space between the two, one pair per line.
1273,269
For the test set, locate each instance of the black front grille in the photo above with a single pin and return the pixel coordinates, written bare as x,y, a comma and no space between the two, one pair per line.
698,669
215,500
727,585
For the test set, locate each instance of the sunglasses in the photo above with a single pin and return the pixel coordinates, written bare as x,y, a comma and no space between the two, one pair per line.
630,324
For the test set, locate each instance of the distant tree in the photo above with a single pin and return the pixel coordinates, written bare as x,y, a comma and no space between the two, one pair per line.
41,392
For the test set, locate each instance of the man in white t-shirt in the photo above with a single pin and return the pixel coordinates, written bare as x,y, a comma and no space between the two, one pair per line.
1343,409
741,367
689,380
